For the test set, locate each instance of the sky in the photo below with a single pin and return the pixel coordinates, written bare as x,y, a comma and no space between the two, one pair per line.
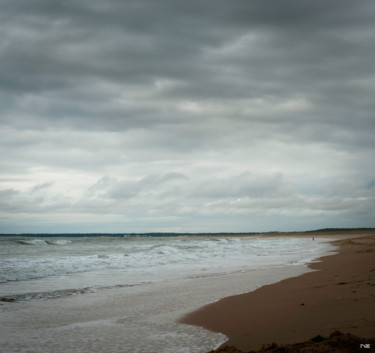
186,116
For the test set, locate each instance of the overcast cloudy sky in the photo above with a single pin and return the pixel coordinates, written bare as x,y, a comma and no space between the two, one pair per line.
199,115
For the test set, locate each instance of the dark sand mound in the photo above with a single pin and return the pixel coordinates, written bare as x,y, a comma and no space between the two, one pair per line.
337,342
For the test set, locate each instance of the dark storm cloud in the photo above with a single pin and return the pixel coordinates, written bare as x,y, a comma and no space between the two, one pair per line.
132,41
72,62
54,45
282,49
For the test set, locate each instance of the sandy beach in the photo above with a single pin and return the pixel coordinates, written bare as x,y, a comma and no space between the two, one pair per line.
338,296
133,303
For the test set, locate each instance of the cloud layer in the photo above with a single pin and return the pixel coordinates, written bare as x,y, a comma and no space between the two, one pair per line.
186,116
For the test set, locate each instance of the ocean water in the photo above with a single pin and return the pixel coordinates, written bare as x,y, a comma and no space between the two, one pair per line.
112,294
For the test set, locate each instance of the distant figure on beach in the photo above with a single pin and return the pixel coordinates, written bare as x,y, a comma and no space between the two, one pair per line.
313,238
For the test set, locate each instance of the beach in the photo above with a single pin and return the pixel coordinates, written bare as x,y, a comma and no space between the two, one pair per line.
339,295
119,295
270,294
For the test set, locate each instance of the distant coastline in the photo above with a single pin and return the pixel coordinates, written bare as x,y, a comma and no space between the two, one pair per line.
317,232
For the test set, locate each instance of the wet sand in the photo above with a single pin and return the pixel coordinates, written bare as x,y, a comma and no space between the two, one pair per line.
339,295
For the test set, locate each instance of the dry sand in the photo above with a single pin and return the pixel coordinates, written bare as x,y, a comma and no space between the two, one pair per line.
340,295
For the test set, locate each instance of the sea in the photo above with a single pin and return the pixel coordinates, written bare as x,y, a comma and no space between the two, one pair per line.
127,294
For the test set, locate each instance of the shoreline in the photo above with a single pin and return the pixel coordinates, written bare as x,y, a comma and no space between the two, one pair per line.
338,295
